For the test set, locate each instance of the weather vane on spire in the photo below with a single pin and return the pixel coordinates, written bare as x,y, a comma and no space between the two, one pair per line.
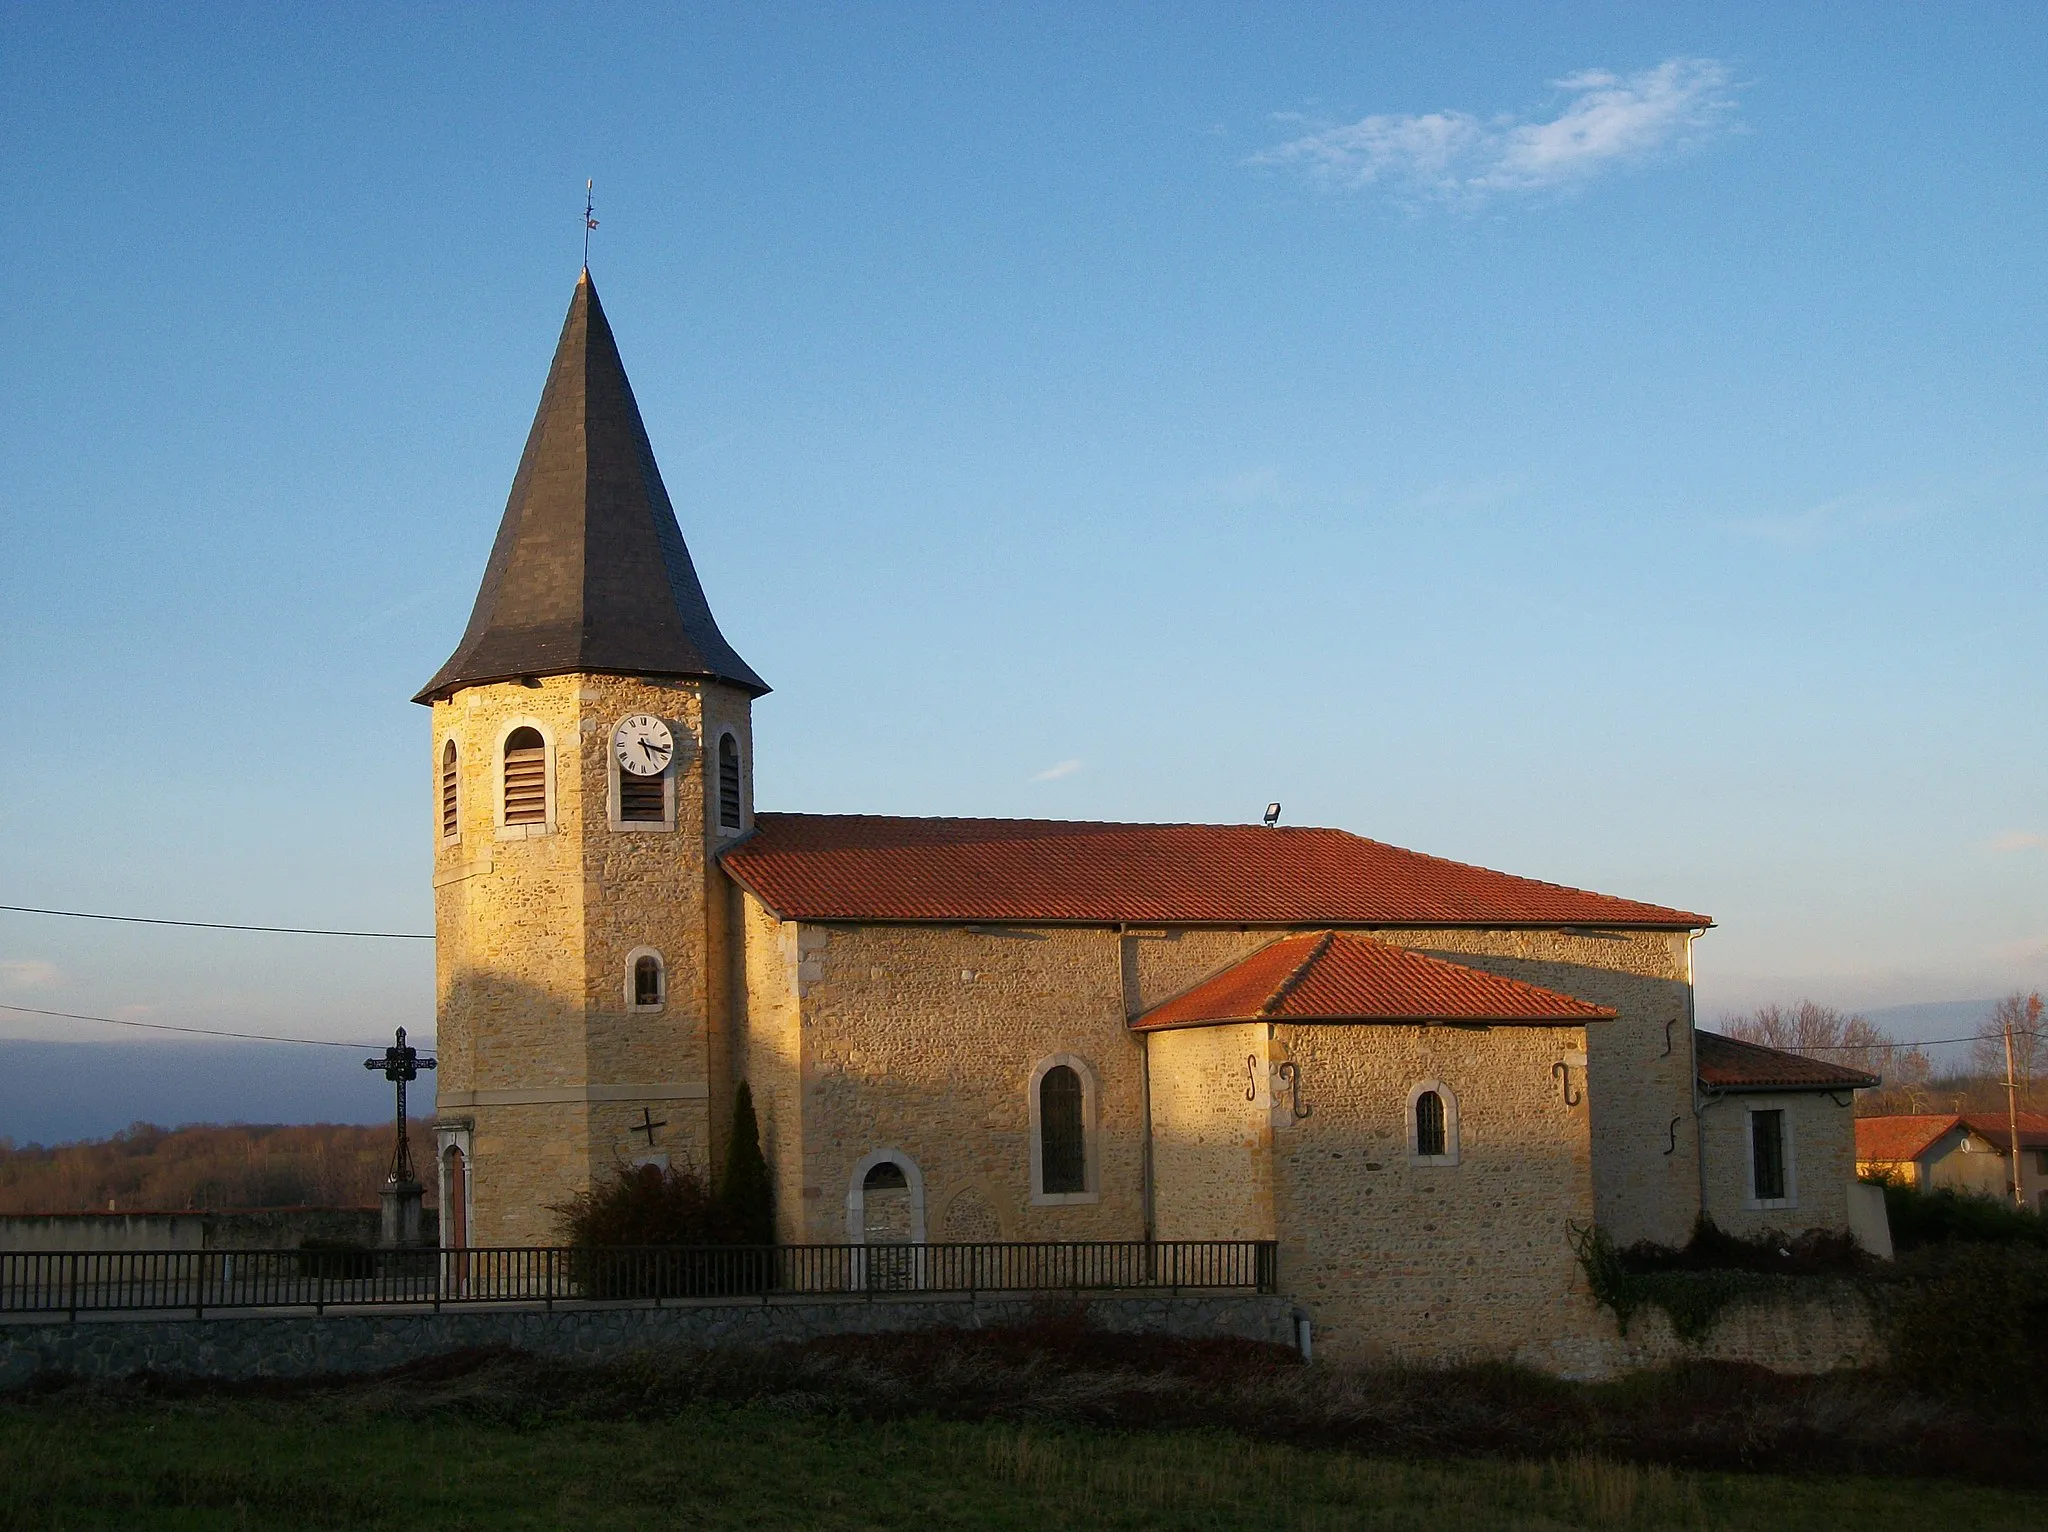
589,223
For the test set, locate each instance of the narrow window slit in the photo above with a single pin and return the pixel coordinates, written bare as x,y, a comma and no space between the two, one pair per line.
451,820
728,782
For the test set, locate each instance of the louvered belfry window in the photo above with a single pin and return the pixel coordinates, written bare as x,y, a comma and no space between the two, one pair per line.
1063,1144
1429,1123
526,778
728,782
451,820
641,799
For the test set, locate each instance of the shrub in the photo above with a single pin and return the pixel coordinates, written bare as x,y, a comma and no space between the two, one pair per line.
1695,1282
643,1205
1946,1216
649,1231
1813,1252
1970,1320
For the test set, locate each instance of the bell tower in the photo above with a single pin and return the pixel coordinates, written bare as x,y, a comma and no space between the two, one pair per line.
592,754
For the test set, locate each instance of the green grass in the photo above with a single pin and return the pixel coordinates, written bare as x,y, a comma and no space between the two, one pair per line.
77,1460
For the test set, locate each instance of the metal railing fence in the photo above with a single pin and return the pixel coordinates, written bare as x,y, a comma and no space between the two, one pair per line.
75,1282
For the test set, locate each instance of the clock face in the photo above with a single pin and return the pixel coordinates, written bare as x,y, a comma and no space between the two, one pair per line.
643,745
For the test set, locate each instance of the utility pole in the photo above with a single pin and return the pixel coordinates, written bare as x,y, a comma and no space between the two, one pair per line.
2012,1116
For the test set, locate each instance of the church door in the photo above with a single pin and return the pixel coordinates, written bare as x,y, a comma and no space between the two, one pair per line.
455,1214
887,1223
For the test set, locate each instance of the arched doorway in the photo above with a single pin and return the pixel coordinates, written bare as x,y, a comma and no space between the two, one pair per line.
885,1215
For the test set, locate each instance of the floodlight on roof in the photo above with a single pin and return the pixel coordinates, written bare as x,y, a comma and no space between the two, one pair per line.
1272,815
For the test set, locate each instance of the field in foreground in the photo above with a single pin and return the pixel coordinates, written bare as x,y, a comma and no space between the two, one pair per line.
1048,1425
240,1463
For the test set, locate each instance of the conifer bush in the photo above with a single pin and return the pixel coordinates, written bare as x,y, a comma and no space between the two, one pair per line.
747,1195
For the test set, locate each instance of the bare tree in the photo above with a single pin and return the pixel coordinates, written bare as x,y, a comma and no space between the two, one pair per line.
2023,1013
1822,1032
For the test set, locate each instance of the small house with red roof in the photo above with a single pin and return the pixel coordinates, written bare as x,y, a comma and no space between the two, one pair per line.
1958,1151
1415,1076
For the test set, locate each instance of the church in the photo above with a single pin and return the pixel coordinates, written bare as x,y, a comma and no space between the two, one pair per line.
1417,1077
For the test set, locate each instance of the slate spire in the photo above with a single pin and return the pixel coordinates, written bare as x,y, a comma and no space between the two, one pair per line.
589,572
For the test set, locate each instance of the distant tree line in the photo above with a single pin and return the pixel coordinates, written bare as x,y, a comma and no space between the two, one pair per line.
145,1168
1911,1082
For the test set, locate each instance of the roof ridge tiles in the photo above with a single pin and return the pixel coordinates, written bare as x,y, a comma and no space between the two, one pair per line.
1287,986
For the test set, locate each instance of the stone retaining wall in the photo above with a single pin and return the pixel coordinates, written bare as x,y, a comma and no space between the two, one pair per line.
1832,1329
220,1229
307,1345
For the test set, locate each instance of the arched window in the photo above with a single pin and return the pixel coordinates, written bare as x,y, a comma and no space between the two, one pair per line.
1063,1148
526,777
451,817
1062,1140
1432,1124
728,782
885,1177
1429,1124
646,980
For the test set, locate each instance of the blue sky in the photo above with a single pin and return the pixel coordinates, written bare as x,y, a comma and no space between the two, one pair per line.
1601,442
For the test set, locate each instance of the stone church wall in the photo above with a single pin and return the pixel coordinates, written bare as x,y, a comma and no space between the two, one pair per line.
923,1040
1822,1138
1401,1259
1211,1140
1639,1067
769,1049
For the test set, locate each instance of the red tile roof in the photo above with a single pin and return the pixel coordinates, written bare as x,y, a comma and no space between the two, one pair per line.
1993,1126
1341,977
1726,1063
1904,1136
861,867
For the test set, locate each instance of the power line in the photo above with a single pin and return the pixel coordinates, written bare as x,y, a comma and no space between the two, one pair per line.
164,1026
216,925
1930,1042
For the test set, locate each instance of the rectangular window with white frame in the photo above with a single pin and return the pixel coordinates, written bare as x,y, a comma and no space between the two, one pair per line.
1772,1182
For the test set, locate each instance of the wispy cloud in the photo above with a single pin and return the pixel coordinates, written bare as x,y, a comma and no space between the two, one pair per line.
1606,121
2019,840
28,973
1254,486
1842,516
1054,773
